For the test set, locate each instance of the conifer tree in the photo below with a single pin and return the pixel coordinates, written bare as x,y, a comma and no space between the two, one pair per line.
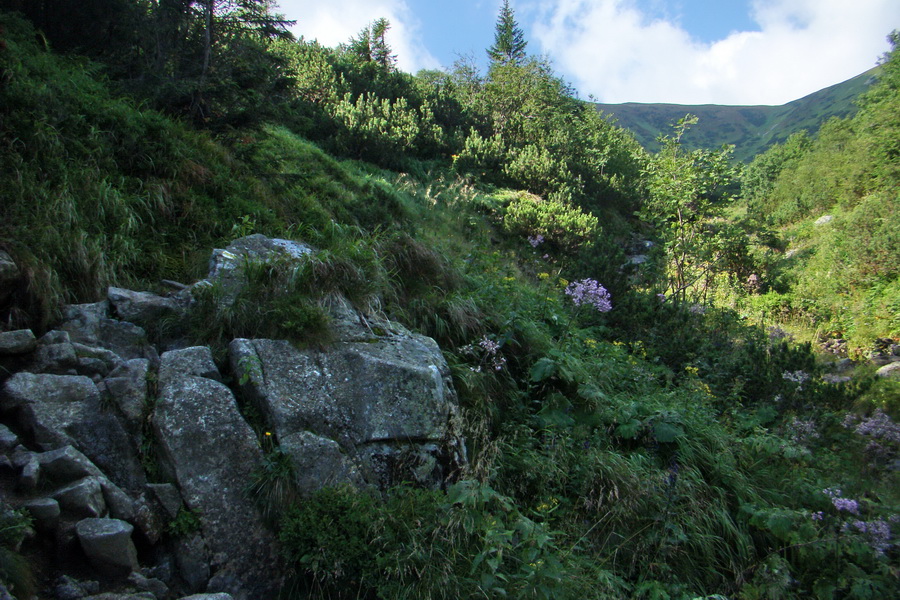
370,45
381,51
509,39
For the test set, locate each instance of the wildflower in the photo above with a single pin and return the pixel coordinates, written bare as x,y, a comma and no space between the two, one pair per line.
799,377
802,432
879,426
487,351
832,492
590,343
543,276
777,333
489,345
883,433
818,516
588,291
535,240
841,503
851,506
877,533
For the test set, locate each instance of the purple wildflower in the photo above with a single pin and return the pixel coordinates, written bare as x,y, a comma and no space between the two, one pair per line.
832,492
799,377
489,345
879,426
883,433
588,291
851,506
487,352
535,240
818,516
802,432
877,533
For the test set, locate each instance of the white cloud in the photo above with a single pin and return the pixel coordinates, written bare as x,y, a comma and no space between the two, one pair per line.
336,21
610,49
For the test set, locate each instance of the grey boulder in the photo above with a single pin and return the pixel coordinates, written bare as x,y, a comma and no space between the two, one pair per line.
210,452
107,544
393,392
20,341
83,498
45,512
891,370
143,308
126,386
62,410
8,439
90,325
318,462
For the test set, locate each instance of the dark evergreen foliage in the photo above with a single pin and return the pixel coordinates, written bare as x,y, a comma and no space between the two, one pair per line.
509,39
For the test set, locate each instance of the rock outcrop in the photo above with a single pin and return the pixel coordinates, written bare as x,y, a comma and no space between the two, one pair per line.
386,403
210,452
132,455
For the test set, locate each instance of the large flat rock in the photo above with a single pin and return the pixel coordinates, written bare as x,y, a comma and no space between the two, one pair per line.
210,452
66,410
392,391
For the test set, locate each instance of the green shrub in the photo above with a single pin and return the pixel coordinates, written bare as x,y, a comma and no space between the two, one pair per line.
422,544
567,227
185,523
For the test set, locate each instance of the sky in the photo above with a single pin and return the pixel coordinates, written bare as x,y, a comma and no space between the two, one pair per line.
740,52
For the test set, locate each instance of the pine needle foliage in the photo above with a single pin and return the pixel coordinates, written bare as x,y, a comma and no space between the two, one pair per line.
509,39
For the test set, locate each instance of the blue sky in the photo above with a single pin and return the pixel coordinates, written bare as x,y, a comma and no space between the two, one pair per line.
680,51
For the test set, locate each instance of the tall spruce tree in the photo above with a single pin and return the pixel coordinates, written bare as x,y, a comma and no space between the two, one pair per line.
370,45
509,39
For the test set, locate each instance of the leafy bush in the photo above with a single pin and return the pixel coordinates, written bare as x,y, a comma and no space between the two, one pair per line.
185,523
423,544
566,227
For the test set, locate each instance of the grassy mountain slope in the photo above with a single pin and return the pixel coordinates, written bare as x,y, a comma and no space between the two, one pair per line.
646,450
751,129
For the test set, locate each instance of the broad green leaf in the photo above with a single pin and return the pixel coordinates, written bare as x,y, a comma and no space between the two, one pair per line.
666,433
543,369
629,430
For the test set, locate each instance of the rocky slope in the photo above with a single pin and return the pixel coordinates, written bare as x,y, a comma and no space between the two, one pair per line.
133,458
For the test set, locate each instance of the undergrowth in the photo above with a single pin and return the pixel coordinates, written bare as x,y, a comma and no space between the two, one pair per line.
620,444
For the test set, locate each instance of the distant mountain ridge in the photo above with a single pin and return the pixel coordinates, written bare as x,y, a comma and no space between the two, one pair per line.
752,129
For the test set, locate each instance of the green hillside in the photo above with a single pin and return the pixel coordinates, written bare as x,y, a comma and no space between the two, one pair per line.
751,129
638,419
